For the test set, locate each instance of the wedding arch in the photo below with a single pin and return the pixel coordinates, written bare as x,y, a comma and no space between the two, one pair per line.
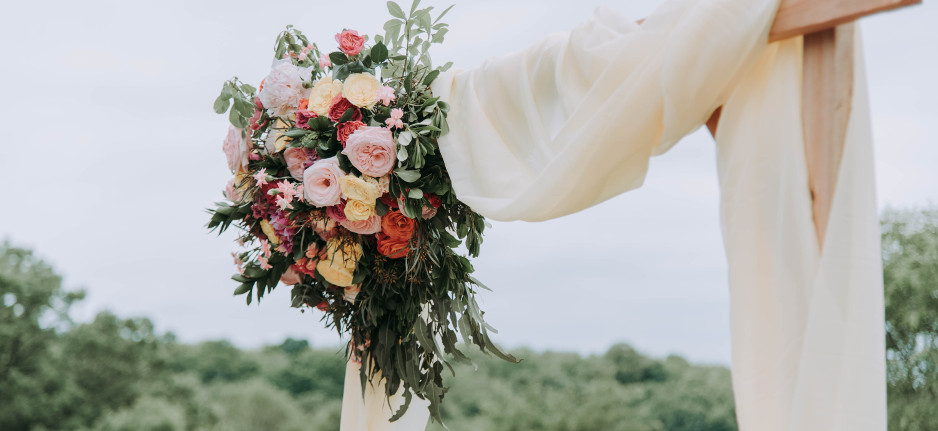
572,120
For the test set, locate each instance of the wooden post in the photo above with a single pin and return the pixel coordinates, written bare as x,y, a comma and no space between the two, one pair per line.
826,100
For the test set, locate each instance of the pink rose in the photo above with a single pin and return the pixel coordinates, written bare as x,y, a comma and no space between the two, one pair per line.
428,213
298,159
283,88
236,149
369,226
232,192
302,118
337,212
339,105
291,277
371,150
350,42
321,183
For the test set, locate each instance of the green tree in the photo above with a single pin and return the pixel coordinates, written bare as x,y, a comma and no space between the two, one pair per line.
910,272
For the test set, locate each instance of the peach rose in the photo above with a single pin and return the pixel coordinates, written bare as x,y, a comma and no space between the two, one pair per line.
369,226
236,149
298,159
342,257
371,150
232,192
321,183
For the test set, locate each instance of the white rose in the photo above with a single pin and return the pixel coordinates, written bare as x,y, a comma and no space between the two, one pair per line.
283,88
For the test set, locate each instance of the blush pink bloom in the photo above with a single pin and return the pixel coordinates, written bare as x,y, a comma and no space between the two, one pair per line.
337,212
386,95
369,226
283,88
395,119
350,42
298,159
232,192
324,61
261,177
291,277
371,150
321,183
236,150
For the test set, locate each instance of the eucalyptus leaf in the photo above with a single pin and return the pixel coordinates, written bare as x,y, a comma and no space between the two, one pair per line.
409,176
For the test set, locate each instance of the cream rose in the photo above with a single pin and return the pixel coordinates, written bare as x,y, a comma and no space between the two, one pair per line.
320,97
359,210
361,89
355,188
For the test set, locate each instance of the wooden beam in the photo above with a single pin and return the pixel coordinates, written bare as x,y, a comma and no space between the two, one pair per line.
826,101
797,17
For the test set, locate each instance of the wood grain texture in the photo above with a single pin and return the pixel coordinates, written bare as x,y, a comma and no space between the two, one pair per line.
797,17
827,98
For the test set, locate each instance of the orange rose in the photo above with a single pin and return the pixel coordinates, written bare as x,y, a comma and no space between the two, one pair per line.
391,247
398,227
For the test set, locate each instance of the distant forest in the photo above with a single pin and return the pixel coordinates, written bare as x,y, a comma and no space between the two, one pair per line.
114,374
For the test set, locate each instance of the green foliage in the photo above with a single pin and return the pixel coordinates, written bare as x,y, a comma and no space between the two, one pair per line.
910,272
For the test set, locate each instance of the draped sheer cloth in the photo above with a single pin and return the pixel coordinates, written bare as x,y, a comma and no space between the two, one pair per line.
572,120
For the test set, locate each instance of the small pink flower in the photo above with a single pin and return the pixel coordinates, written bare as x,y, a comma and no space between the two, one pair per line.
287,190
283,203
261,177
324,61
350,42
386,95
395,119
264,264
265,247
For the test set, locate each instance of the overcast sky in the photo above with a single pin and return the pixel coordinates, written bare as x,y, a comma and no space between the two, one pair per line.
117,151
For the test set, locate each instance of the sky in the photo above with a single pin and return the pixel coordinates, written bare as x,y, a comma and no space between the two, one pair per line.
119,153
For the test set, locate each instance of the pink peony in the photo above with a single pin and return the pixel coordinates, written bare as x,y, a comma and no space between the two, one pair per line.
350,42
321,183
369,226
236,150
298,159
283,88
371,150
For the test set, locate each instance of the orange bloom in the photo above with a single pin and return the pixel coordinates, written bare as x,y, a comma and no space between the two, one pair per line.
398,227
391,247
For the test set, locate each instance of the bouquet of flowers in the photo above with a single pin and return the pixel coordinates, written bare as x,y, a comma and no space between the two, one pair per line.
339,191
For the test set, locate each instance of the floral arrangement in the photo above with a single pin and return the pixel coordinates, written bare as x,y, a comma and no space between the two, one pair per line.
339,191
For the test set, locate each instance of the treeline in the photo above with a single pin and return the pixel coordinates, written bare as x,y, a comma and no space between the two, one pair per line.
114,374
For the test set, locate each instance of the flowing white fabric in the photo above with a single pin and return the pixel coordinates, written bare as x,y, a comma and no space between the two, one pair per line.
372,411
572,121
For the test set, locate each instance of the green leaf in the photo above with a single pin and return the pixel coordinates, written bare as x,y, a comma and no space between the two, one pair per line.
379,53
415,193
413,7
338,58
395,10
408,175
430,77
442,14
221,104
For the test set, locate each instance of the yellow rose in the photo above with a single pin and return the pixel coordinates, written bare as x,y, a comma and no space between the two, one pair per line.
361,89
342,258
359,210
276,142
355,188
320,97
269,231
383,183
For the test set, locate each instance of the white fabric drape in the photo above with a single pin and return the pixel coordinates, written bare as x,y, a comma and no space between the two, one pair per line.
571,121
